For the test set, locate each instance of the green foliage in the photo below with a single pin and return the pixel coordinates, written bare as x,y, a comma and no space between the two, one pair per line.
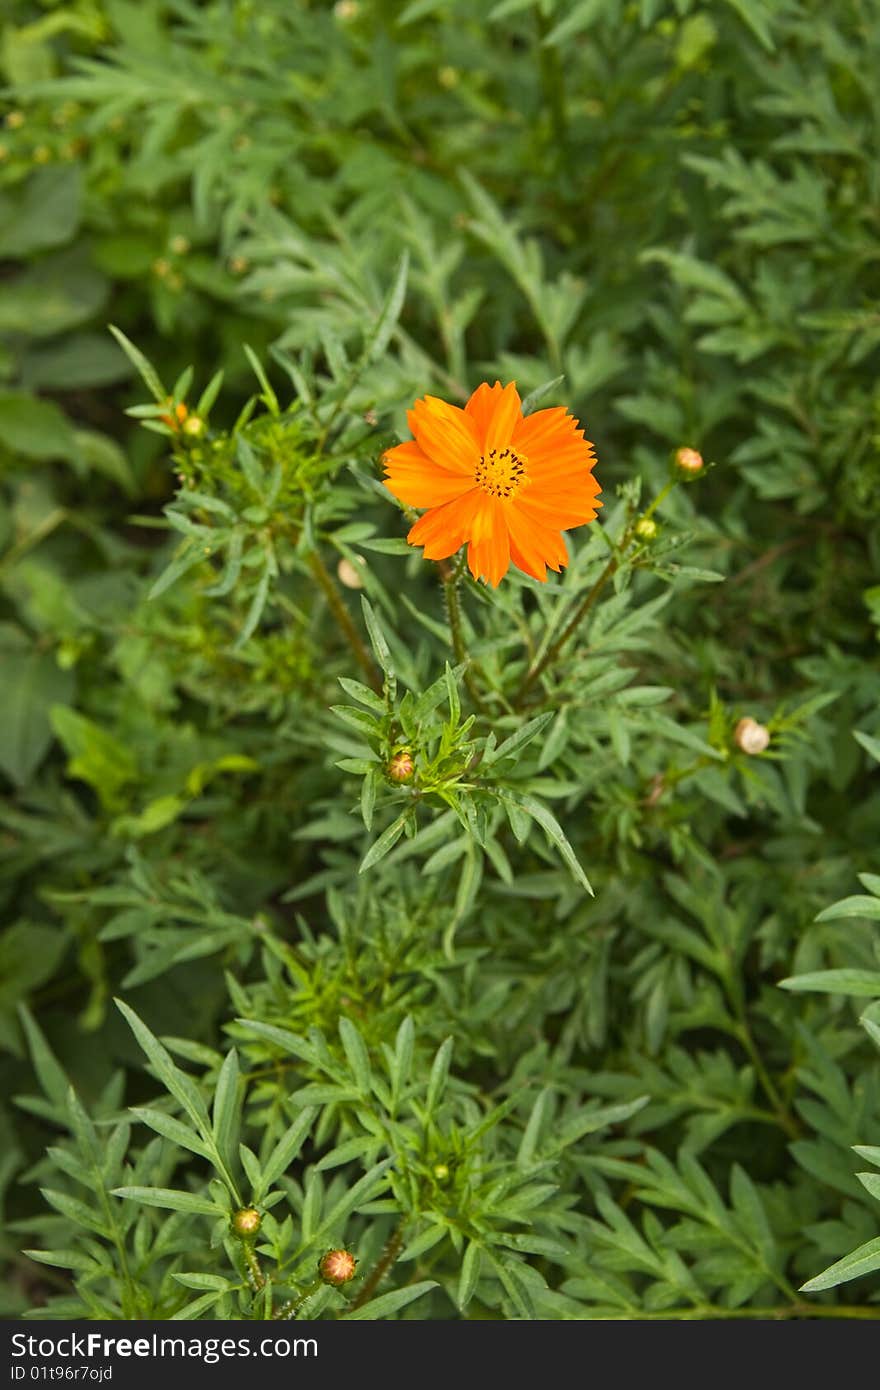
446,924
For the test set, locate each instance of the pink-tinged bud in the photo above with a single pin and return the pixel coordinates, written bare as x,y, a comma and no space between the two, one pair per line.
337,1267
751,737
689,461
401,766
246,1222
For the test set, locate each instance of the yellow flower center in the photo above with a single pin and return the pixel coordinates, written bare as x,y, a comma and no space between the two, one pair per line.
501,472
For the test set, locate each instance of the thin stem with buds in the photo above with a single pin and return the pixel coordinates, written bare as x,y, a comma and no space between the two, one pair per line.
344,620
589,600
393,1247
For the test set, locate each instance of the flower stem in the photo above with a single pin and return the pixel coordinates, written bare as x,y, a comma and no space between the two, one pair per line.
540,666
393,1247
344,620
255,1276
450,576
710,1312
293,1306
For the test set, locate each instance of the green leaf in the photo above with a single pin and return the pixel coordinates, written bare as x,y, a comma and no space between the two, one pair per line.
286,1150
171,1129
147,371
870,745
864,1260
170,1199
386,322
389,1303
31,682
357,1055
36,429
44,212
757,17
51,1075
861,983
518,740
381,650
227,1109
386,842
580,17
181,1086
552,829
439,1075
470,1274
856,906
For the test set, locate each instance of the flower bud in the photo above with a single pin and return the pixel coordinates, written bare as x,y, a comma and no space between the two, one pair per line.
194,425
646,529
441,1172
176,420
246,1222
751,737
689,461
401,766
337,1267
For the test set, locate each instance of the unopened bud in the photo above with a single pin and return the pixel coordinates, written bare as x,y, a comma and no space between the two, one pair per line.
247,1222
348,575
441,1172
15,120
179,245
194,425
751,737
401,766
337,1267
646,529
689,461
346,9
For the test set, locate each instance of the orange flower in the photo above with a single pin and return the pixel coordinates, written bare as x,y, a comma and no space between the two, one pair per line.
505,483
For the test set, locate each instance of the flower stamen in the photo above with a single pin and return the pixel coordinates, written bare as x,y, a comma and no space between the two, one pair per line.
501,472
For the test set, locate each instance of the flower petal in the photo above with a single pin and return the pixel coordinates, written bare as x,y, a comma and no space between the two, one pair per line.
507,410
414,479
489,550
534,432
481,407
445,433
538,543
561,509
443,530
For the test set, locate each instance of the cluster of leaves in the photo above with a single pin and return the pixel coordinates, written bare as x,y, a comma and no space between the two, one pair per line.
314,807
